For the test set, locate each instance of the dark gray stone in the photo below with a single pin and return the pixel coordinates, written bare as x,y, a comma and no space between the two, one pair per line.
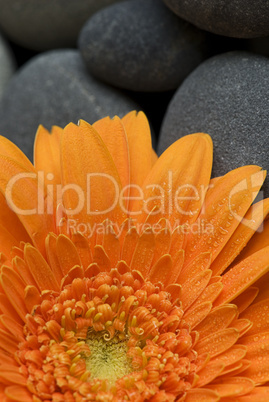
140,45
46,24
54,89
236,18
227,97
7,64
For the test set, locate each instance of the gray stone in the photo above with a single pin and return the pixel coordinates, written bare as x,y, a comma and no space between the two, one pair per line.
236,18
54,89
140,45
7,64
46,24
227,97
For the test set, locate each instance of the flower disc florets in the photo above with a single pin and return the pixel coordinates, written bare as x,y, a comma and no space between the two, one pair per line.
109,337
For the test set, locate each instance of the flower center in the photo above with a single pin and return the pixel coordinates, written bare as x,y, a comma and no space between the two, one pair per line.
112,336
108,359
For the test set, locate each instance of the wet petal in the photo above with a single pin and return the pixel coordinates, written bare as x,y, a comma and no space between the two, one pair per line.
224,207
25,194
114,136
243,275
140,149
175,184
47,154
252,221
217,342
89,172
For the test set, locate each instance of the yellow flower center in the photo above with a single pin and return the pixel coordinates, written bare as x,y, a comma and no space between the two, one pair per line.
108,359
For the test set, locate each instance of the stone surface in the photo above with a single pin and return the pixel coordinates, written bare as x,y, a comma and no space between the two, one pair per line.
227,97
144,46
46,24
7,64
55,89
237,18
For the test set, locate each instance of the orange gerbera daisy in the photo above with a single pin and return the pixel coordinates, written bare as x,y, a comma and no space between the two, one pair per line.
128,277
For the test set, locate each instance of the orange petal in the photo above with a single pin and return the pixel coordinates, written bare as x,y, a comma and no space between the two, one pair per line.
111,245
233,355
144,252
162,244
83,249
7,241
47,154
73,273
258,315
161,270
232,369
258,353
178,262
200,263
12,151
17,393
233,386
113,134
11,222
198,314
224,207
101,258
6,360
51,253
14,327
92,270
10,377
14,290
7,342
177,241
253,396
192,289
175,184
154,157
140,149
259,394
263,288
217,320
54,328
210,293
237,368
258,241
7,308
174,290
243,275
246,298
209,373
123,229
129,245
32,298
242,325
122,267
25,195
217,342
252,221
22,269
201,395
39,268
215,279
88,169
67,254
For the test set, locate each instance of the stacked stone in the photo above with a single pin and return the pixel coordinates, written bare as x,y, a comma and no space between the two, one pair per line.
191,65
